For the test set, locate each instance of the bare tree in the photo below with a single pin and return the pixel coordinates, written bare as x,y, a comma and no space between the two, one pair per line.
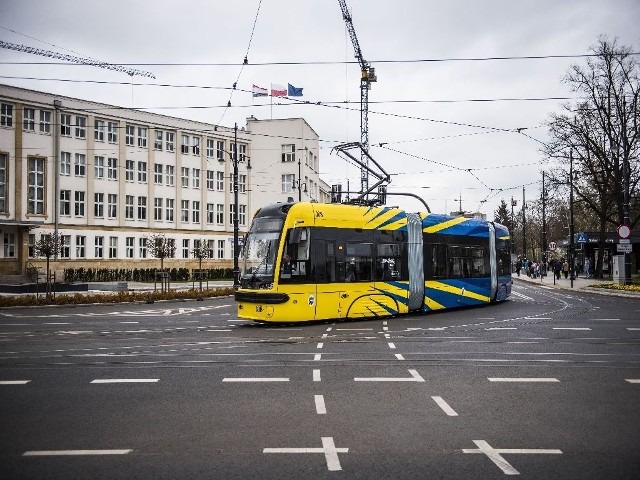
200,251
600,135
161,247
49,245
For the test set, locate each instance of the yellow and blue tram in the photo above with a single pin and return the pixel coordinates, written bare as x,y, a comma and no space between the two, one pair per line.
312,261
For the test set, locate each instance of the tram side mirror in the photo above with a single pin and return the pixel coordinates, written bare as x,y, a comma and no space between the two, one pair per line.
298,235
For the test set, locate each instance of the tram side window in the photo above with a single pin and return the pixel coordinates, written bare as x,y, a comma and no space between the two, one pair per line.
388,262
439,260
504,261
478,262
358,266
294,265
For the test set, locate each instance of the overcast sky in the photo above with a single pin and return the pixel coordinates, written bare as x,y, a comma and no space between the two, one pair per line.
422,111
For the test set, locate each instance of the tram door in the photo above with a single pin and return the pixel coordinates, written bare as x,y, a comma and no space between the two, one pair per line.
325,263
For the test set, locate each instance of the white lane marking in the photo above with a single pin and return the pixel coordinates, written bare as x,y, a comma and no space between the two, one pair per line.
495,456
485,318
354,329
538,318
520,295
124,323
415,377
399,356
606,319
321,409
317,357
392,346
126,380
325,335
255,379
57,323
633,380
385,322
219,330
501,328
316,375
633,329
328,449
320,345
515,379
53,453
14,382
329,329
445,406
571,328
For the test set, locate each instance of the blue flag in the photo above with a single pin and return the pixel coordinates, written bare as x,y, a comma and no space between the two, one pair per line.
293,91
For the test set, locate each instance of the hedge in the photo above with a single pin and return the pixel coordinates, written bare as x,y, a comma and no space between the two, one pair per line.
139,274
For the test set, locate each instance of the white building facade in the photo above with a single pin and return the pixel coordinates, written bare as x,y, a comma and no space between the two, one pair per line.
106,178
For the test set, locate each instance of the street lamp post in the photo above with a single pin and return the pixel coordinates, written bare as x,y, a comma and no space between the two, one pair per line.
571,226
236,268
544,230
524,227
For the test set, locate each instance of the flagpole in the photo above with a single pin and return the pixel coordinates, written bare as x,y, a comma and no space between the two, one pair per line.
271,95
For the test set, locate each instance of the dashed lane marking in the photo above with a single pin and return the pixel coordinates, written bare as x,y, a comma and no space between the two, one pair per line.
415,377
14,382
254,379
584,329
445,406
515,380
633,380
316,375
125,380
57,453
321,409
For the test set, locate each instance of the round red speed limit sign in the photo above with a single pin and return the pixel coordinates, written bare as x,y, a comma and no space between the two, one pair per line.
624,231
553,246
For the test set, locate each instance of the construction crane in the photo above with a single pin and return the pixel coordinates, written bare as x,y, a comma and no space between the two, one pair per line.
368,75
73,59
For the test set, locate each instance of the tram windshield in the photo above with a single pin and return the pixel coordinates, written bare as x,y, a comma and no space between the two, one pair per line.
261,247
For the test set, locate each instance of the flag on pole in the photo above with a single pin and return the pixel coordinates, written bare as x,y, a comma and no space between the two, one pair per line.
278,90
259,91
294,91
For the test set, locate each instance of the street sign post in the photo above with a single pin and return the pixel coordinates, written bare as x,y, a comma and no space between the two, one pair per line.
553,246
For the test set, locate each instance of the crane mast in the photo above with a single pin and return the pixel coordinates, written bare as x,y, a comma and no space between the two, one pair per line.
368,75
74,59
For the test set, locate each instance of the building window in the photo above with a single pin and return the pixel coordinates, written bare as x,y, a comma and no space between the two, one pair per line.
157,173
170,172
130,135
195,148
210,147
220,150
113,247
9,245
169,211
129,246
169,137
36,193
81,241
45,121
65,202
112,168
3,182
220,249
195,207
242,214
196,178
78,208
142,247
288,153
99,167
185,144
142,137
220,181
210,179
81,127
242,153
112,132
65,163
80,165
31,246
220,213
287,183
232,209
128,207
185,248
98,131
112,205
65,125
142,172
65,246
142,208
29,120
157,209
242,183
184,210
98,243
185,177
210,247
211,215
6,115
129,172
157,143
98,205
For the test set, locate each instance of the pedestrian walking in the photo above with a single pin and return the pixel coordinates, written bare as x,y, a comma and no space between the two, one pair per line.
586,268
565,269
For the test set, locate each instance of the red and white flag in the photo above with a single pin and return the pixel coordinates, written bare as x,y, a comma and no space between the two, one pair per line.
278,90
259,91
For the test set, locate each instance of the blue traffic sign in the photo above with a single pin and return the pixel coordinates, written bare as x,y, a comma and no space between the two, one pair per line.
581,237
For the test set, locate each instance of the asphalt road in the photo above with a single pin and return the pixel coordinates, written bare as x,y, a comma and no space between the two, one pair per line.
546,385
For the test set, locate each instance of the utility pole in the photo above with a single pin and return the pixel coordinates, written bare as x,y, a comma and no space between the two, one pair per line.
524,227
544,230
513,224
57,104
571,226
626,208
236,269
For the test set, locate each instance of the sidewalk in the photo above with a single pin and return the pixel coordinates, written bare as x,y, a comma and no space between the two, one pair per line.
579,284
